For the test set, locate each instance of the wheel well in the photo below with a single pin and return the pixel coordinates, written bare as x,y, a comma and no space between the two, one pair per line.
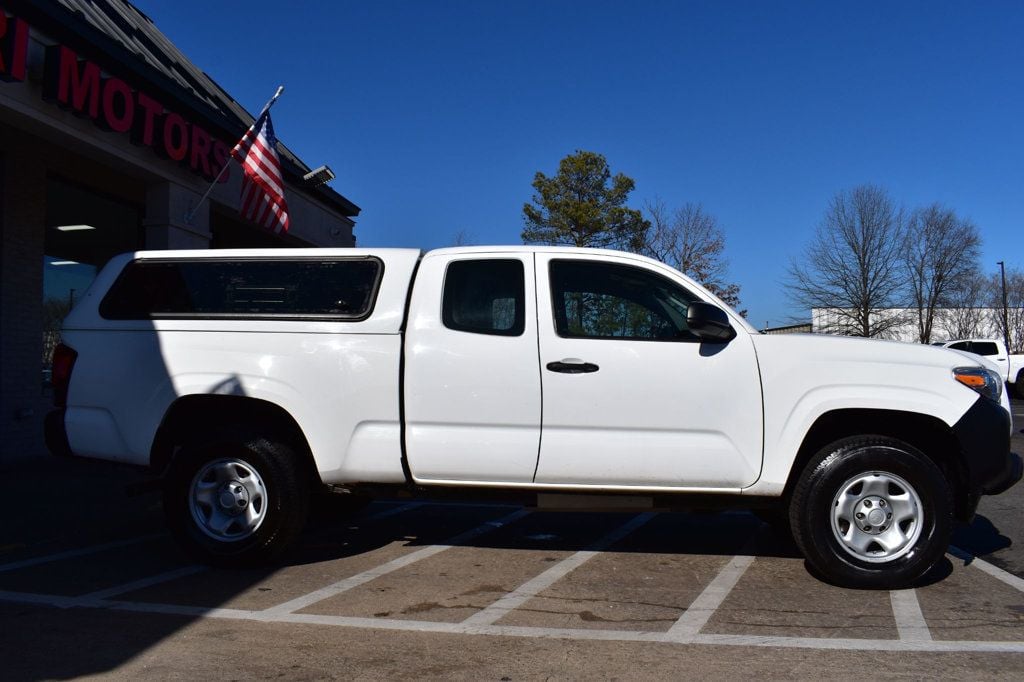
192,417
928,434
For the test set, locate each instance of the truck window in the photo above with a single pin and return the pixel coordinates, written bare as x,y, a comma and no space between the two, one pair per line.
600,300
984,348
962,345
246,288
485,296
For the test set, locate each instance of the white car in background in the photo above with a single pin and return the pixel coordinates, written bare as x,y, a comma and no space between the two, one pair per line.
1009,365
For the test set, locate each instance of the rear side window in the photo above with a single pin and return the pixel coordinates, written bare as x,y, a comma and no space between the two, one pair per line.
984,348
485,297
207,288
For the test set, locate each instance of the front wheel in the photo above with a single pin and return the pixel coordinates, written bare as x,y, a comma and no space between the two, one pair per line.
872,512
236,500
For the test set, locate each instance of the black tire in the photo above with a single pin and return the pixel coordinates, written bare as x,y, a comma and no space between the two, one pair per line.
857,467
1018,385
279,506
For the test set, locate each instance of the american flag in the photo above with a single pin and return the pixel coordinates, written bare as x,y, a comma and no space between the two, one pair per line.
262,185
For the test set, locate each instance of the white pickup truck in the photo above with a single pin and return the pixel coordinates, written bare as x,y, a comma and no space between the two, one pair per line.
250,379
1011,366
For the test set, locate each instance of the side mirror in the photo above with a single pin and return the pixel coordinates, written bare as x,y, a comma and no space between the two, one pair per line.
709,322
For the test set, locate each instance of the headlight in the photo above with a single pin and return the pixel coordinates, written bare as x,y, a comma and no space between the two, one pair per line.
984,381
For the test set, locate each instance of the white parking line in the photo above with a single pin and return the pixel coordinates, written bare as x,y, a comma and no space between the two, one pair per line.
532,588
393,565
704,606
910,622
914,635
394,511
824,643
862,644
994,571
143,583
71,554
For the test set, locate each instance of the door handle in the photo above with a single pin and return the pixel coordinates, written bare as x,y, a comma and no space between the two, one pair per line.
572,366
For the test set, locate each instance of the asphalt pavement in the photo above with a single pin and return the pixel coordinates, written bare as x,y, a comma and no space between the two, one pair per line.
91,584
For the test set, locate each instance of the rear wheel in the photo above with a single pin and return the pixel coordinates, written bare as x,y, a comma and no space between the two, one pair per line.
236,500
872,512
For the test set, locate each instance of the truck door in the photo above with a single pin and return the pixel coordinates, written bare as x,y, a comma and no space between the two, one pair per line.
472,374
631,398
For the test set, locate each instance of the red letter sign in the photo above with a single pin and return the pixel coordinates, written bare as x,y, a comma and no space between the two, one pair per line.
13,48
72,84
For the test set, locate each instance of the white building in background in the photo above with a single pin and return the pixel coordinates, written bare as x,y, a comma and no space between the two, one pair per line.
950,323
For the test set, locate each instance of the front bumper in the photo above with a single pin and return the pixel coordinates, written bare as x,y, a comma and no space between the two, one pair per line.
1010,476
984,437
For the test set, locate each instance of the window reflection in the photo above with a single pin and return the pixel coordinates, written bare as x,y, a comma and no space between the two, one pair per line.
84,229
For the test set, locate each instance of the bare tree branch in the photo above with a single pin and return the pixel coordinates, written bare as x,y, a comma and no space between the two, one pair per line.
463,238
1015,307
941,254
691,240
967,315
853,266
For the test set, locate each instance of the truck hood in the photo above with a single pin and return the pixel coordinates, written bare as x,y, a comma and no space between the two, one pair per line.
845,349
844,372
975,359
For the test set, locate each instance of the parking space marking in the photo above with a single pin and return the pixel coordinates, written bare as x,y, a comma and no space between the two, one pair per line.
393,565
528,632
394,511
535,586
914,633
707,602
910,622
60,601
74,553
994,571
768,641
861,644
142,583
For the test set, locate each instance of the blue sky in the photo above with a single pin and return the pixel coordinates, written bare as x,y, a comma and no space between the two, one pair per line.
436,115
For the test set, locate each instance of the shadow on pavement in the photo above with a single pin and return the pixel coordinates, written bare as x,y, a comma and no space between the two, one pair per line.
981,537
53,506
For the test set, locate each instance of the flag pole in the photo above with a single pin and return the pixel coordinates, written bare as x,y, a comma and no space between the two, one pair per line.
192,212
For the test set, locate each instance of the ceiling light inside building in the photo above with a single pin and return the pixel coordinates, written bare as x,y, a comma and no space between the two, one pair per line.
74,228
65,262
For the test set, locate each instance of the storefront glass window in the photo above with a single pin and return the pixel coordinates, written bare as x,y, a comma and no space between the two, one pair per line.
84,229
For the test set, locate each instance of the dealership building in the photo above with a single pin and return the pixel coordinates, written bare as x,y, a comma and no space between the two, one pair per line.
109,137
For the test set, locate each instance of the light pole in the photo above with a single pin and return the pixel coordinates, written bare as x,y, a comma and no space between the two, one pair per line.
1006,321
